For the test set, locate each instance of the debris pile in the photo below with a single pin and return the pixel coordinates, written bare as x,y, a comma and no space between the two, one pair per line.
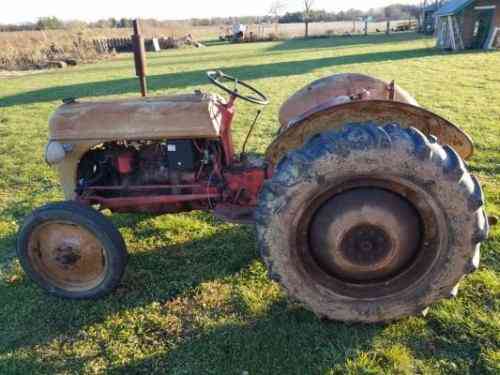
121,45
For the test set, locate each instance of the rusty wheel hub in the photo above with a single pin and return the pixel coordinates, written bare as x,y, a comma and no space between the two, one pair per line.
365,245
365,235
67,256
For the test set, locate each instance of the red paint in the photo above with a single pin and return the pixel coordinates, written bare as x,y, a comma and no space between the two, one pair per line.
159,203
124,162
199,187
231,184
269,171
243,186
228,111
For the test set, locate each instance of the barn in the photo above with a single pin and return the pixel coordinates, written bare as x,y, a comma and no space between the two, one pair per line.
468,24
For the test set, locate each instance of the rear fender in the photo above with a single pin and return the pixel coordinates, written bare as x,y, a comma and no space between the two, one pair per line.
345,85
332,116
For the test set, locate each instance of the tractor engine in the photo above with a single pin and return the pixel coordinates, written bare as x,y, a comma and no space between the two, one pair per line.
169,176
132,169
128,164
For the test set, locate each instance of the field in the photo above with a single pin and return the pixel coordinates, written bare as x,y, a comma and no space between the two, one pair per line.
295,30
28,49
196,298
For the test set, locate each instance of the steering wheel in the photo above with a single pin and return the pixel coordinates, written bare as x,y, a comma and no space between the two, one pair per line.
256,98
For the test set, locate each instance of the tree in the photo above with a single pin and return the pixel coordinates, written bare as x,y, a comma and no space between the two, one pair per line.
308,4
75,25
275,10
113,22
49,23
124,23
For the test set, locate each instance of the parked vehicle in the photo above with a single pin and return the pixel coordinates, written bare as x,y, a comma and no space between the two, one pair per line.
364,207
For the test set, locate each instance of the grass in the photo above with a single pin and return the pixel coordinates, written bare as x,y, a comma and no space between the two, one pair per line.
27,50
196,298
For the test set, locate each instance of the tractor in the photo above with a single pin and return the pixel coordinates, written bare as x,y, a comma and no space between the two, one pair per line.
364,208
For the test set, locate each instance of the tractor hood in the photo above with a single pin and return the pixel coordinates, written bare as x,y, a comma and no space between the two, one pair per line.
195,115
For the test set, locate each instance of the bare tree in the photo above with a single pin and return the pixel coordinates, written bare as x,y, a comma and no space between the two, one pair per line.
308,5
276,10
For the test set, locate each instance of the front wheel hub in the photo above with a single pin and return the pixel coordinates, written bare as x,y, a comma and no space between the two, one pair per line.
365,235
67,256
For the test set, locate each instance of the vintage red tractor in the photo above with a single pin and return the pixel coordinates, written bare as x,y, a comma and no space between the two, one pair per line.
364,208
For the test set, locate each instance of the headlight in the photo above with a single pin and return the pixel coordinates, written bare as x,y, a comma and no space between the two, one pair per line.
56,152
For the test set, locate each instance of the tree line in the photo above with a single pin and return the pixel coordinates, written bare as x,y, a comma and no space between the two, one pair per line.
54,23
392,12
397,12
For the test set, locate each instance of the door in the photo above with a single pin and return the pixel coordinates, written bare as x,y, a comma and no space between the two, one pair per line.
482,27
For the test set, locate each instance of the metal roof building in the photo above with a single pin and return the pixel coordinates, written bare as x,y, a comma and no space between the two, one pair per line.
466,24
453,7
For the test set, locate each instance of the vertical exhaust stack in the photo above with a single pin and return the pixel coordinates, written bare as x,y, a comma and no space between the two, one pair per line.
140,57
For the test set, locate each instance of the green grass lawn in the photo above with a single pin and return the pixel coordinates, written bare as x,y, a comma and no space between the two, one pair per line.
196,298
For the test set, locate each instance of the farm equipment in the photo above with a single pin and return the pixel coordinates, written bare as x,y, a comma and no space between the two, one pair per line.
407,26
235,33
364,208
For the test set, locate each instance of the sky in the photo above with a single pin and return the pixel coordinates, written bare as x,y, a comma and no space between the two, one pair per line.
19,11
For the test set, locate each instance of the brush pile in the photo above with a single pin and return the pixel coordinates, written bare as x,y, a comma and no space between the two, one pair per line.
33,50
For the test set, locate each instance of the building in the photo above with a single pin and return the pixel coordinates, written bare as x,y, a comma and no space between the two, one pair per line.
468,24
429,19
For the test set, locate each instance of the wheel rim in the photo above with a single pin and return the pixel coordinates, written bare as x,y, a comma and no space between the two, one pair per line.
369,238
67,256
365,235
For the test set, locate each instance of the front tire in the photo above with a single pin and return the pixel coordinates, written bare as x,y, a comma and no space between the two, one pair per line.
72,251
371,224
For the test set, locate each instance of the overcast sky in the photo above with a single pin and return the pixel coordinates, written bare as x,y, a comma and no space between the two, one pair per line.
90,10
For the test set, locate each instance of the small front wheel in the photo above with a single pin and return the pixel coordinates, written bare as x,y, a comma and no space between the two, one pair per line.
72,251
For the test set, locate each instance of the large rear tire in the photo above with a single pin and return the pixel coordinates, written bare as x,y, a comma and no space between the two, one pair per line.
72,251
371,224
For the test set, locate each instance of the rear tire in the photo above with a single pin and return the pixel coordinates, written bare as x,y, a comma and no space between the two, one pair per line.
72,251
371,224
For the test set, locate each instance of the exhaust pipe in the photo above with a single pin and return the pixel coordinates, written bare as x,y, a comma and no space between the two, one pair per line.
140,57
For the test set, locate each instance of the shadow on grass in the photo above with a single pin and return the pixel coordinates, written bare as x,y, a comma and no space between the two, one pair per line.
156,275
489,163
215,42
456,345
343,41
193,78
491,169
282,341
284,338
